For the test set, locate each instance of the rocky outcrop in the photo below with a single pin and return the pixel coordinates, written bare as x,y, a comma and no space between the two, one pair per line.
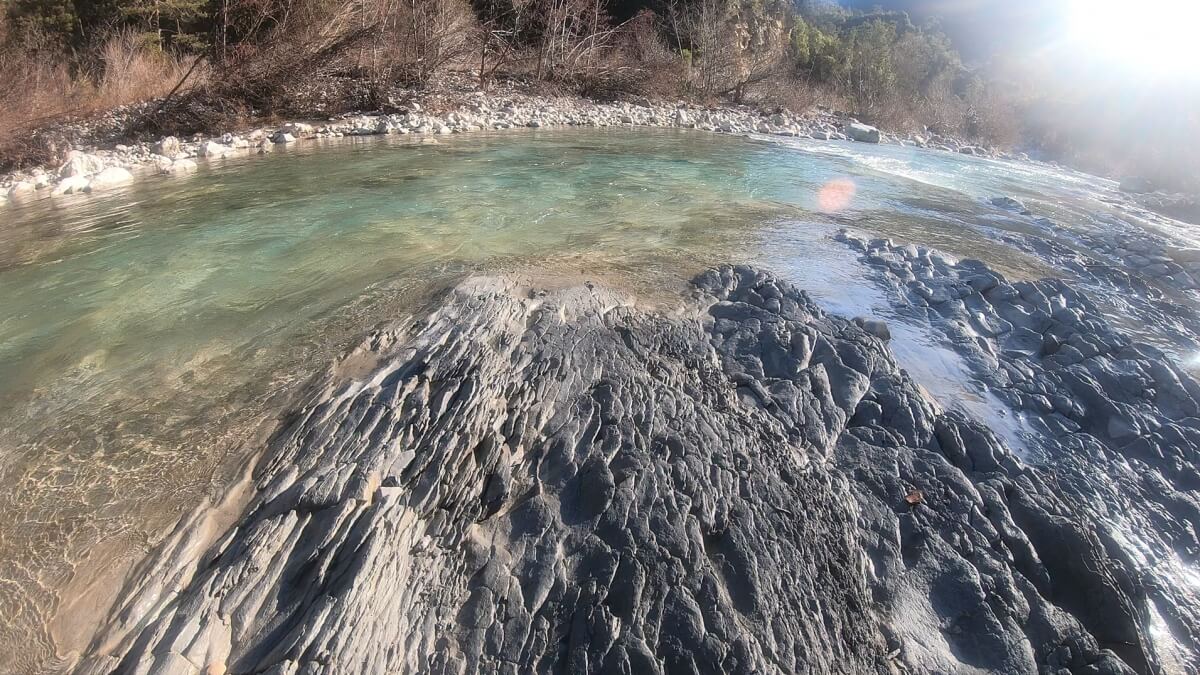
566,481
1117,433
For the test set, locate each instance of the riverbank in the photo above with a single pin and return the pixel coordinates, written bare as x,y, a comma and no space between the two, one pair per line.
103,155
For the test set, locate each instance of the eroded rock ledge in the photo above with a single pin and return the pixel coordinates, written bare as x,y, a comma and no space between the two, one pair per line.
567,482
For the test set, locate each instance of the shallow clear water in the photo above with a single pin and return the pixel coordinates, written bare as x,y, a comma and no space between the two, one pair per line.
146,332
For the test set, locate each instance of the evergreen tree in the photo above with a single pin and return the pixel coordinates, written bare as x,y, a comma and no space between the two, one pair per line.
54,19
178,24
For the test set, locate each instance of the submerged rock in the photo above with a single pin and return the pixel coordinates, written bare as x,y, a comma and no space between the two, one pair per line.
530,481
1007,203
874,327
21,188
178,166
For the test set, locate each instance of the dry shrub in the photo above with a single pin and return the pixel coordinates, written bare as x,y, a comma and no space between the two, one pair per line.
132,72
37,82
418,39
941,110
277,74
320,58
42,89
995,118
790,92
661,70
637,63
735,47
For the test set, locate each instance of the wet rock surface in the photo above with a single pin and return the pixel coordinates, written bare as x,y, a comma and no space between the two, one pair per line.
1147,277
565,481
1116,434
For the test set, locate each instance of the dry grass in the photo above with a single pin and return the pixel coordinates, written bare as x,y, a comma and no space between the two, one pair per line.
43,89
132,73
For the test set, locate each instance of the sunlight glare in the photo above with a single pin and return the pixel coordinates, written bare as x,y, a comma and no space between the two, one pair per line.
1156,36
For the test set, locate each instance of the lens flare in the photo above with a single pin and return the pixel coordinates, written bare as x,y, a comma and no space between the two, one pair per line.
836,195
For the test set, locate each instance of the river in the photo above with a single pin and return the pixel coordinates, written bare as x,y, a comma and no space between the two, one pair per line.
148,334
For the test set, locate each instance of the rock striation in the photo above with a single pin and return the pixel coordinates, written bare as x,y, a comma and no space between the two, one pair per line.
567,481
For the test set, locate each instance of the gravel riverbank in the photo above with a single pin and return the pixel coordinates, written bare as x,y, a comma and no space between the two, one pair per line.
96,165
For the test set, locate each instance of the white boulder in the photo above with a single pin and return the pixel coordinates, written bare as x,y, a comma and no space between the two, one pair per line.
70,185
110,177
863,133
168,146
80,164
213,149
21,188
296,129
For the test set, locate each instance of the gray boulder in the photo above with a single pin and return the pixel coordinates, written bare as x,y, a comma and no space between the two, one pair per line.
862,133
214,150
874,327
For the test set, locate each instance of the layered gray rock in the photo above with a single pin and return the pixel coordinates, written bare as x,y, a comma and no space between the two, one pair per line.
1115,453
532,481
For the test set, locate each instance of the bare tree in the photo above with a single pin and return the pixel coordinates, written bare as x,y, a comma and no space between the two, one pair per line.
733,45
573,33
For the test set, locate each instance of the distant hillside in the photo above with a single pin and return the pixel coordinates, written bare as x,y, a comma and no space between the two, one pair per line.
981,28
